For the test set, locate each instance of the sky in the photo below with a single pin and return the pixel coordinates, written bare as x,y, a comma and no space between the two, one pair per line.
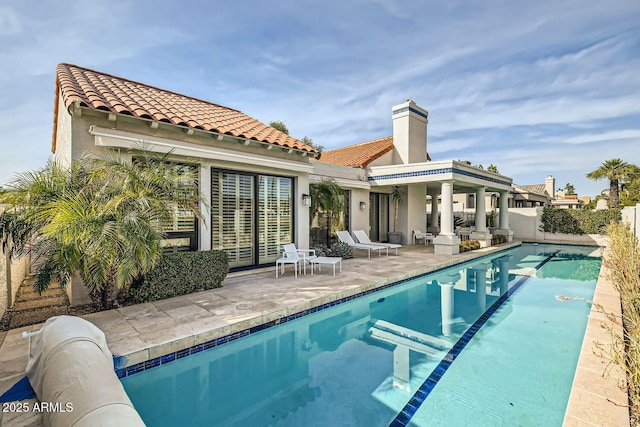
535,88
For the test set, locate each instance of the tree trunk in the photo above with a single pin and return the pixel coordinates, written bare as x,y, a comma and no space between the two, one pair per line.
614,198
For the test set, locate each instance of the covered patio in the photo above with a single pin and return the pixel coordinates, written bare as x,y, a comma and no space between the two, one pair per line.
441,180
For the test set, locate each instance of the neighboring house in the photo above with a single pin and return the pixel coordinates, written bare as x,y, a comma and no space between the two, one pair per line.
402,160
529,196
252,176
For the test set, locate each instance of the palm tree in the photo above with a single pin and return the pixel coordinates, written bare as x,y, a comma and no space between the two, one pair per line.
326,196
101,219
614,170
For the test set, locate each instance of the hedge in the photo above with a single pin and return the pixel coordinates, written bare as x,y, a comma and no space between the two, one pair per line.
578,221
181,274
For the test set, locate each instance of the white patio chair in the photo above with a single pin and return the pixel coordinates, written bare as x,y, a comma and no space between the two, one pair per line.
292,255
419,235
362,237
345,237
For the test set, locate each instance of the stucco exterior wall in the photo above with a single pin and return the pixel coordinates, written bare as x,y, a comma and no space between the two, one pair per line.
385,160
525,223
631,217
359,217
63,135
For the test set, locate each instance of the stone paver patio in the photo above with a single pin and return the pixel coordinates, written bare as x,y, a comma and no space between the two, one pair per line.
248,299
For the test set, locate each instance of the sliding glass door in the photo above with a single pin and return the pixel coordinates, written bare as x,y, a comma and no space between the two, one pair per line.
251,216
232,207
275,216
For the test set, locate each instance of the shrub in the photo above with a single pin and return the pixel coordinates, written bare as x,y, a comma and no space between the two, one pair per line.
181,274
623,262
321,250
340,249
574,221
498,239
469,245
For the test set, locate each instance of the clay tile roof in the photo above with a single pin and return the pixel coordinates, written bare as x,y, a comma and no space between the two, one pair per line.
358,155
100,91
535,189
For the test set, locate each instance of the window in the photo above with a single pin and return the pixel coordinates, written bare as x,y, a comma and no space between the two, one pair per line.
181,230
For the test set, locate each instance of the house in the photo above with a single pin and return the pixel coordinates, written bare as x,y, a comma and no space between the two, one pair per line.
255,179
246,168
529,196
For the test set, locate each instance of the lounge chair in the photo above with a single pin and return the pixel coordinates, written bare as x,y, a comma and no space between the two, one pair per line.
362,237
418,235
292,255
345,237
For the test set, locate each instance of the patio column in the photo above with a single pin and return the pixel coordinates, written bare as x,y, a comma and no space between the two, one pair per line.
434,227
447,243
504,216
481,233
481,210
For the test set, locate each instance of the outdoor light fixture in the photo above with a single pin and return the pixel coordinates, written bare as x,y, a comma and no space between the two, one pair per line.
306,200
363,206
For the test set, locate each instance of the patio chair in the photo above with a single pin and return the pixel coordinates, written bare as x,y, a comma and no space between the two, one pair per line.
295,256
345,237
419,235
362,237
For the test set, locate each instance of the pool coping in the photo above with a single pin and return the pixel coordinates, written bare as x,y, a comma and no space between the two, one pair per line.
597,394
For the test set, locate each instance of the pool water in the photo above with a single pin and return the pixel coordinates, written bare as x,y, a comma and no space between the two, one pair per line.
361,362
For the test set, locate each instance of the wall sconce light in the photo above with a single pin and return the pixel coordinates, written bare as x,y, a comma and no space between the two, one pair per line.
306,200
363,206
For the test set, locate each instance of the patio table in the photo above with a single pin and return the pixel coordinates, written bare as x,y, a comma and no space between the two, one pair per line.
326,260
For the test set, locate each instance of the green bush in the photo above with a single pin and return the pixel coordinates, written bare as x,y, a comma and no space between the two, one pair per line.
469,245
498,239
338,249
181,274
578,221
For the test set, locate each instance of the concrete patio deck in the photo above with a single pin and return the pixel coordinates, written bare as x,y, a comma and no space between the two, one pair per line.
252,298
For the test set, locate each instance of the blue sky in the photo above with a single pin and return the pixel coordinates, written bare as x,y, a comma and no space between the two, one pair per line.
537,88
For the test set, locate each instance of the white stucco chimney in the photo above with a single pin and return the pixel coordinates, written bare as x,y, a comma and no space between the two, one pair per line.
409,133
550,186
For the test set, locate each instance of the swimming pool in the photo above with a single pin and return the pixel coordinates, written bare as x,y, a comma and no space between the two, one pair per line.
443,349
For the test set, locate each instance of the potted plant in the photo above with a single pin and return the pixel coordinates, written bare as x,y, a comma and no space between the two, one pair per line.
397,195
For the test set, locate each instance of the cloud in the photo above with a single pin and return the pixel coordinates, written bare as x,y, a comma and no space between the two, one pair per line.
605,136
9,22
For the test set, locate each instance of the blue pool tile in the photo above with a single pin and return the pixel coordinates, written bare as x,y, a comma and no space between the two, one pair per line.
121,372
221,340
134,369
168,358
152,363
209,344
197,348
182,353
